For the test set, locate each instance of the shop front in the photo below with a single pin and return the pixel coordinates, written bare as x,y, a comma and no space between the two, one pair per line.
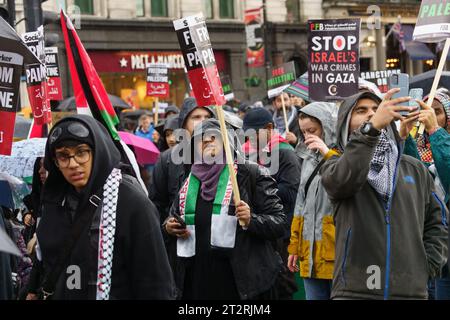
124,74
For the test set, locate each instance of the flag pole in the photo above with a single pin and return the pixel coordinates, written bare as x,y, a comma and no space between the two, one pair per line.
156,111
437,77
284,113
229,157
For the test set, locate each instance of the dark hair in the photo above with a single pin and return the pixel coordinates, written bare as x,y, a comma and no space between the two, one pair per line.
302,115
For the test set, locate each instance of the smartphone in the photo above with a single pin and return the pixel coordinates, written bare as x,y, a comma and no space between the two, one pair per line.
415,94
400,80
179,220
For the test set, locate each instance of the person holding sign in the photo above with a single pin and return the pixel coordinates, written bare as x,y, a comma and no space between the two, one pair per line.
433,149
217,258
390,238
292,131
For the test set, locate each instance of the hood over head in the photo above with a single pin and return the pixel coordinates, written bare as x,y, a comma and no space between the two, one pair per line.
105,155
324,112
213,125
189,104
172,108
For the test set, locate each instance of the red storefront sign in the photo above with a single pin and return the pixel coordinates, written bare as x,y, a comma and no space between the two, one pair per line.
135,61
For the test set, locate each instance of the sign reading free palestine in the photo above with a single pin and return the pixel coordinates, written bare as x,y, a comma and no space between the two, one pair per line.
433,22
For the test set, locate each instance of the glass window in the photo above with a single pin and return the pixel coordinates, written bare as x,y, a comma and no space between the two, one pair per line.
293,11
159,8
226,9
140,10
208,8
86,6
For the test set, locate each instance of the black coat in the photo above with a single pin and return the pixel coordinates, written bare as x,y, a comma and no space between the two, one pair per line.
140,267
166,181
255,263
288,179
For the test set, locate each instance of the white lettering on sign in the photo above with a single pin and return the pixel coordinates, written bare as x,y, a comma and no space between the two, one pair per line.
202,34
1,136
6,99
340,78
187,37
196,58
6,74
141,61
35,74
338,43
50,58
52,72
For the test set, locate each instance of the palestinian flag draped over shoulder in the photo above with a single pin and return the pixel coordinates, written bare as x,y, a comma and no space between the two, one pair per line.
90,95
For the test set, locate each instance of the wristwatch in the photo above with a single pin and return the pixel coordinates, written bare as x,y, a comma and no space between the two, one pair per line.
368,129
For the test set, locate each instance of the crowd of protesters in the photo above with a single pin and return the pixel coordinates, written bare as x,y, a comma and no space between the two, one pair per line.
344,194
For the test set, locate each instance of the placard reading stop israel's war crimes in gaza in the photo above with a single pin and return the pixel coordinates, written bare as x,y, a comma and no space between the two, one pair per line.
333,51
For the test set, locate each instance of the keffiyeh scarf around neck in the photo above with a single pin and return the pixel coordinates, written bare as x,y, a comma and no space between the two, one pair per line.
278,119
382,167
107,231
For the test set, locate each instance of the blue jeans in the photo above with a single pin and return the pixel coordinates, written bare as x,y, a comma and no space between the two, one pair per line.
443,285
317,289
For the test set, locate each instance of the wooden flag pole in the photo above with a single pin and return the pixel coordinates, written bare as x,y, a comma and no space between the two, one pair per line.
156,111
284,113
437,77
229,157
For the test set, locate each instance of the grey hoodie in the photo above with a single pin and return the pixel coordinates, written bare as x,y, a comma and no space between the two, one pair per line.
382,252
314,207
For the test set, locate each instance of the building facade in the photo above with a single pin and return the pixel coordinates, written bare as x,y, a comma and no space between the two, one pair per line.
123,36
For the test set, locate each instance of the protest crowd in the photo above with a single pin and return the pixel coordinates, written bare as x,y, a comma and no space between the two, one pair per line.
327,186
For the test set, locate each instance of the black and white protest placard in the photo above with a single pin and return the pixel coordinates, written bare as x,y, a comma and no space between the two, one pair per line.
333,52
10,71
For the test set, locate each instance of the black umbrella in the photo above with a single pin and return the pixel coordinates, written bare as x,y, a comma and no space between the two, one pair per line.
69,104
425,81
134,115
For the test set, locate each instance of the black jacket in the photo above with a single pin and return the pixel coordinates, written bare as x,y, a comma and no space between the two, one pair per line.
288,178
382,251
6,286
140,267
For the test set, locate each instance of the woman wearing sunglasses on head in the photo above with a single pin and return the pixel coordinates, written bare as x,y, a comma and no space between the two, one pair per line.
99,236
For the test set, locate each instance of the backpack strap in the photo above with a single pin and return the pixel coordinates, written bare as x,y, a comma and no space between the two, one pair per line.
313,174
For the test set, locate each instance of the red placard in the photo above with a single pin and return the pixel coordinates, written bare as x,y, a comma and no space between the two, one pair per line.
37,78
7,131
255,38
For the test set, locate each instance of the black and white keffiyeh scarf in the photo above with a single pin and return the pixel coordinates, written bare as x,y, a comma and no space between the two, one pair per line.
382,167
107,233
